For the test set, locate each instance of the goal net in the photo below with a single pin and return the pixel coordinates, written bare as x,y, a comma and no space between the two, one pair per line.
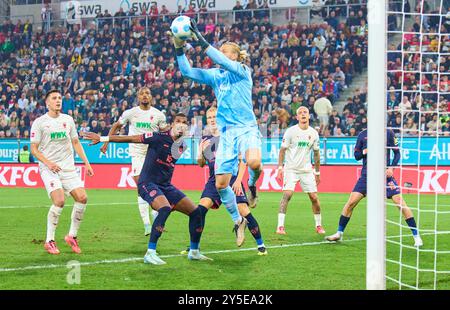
417,91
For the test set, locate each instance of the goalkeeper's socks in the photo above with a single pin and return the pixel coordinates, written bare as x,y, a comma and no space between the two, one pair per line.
229,200
254,229
412,225
158,226
343,221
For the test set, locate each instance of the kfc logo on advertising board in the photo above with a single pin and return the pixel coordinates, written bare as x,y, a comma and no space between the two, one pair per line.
121,177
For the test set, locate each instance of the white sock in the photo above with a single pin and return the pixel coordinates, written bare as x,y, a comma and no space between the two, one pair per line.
154,214
77,217
318,219
52,221
281,217
143,210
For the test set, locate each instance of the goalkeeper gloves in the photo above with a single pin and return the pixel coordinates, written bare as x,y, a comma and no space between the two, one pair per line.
177,43
197,36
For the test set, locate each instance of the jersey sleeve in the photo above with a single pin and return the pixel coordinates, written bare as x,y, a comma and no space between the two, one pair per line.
286,140
35,134
125,117
203,76
73,129
149,138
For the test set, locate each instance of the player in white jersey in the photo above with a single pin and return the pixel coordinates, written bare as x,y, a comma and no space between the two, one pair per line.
298,141
53,139
141,119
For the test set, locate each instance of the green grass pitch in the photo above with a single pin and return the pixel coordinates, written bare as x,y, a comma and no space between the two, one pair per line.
111,238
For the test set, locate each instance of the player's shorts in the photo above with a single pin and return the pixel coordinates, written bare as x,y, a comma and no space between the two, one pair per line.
307,181
392,187
235,141
137,162
66,180
150,191
210,191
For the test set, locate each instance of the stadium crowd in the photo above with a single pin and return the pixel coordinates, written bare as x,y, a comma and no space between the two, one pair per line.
99,69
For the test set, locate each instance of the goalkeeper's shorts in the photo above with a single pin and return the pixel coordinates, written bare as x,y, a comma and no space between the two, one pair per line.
234,142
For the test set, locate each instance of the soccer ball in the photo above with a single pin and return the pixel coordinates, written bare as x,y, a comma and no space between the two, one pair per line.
181,27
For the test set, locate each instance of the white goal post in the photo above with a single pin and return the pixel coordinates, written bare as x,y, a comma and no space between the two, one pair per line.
376,135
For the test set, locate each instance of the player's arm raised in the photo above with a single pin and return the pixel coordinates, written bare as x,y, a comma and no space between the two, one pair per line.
199,75
96,138
114,129
217,56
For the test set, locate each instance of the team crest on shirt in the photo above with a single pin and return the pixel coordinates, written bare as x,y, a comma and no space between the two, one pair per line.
52,184
64,125
153,193
151,118
180,149
33,134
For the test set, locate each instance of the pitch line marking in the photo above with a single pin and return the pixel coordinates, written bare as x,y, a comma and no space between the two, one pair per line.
132,259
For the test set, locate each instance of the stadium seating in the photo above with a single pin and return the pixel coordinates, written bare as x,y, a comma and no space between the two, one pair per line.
99,69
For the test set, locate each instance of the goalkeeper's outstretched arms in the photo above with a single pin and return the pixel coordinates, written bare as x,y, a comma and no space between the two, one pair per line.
217,56
199,75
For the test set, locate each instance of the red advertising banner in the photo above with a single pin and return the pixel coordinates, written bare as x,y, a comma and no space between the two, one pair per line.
334,179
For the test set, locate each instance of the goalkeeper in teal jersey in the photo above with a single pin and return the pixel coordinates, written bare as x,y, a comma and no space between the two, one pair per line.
232,84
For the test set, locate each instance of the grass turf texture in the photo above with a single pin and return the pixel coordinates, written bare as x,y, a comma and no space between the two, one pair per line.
112,230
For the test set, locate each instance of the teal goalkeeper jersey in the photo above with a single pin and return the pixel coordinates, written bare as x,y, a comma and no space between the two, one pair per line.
232,85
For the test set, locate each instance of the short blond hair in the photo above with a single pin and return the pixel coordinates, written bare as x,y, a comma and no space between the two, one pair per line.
242,54
211,110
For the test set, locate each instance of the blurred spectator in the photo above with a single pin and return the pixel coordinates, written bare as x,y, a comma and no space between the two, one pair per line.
323,108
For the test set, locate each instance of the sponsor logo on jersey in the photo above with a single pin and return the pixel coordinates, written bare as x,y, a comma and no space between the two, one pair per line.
303,144
143,125
58,135
153,193
148,134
